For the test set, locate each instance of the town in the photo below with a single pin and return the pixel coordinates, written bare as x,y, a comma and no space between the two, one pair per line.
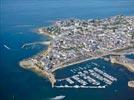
75,40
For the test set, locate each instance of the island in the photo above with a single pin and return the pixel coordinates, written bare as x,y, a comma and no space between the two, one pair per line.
76,40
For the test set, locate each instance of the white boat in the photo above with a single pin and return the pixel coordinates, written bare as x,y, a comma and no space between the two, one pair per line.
6,47
60,97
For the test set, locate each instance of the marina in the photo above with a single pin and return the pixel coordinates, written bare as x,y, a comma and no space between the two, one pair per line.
105,74
89,76
69,80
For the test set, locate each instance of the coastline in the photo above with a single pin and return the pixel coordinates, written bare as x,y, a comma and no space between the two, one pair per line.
49,74
115,60
77,62
24,64
41,32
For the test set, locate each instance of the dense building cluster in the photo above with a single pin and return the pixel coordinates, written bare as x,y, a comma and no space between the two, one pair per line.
76,39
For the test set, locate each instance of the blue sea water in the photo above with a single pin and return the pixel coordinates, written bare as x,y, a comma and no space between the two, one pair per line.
18,21
130,56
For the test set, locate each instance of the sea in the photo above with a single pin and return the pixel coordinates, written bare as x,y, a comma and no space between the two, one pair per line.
19,20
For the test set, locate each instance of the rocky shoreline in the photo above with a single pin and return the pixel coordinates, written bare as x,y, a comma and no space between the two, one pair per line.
26,65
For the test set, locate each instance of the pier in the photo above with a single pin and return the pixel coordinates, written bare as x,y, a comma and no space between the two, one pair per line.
77,86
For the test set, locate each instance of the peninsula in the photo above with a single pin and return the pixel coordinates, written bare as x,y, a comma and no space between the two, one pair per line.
74,41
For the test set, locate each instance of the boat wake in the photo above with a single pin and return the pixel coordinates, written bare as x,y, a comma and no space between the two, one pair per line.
11,49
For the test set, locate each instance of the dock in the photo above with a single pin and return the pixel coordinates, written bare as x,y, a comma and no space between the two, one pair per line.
85,77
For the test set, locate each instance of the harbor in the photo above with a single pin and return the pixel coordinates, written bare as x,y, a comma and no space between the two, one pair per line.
89,76
19,21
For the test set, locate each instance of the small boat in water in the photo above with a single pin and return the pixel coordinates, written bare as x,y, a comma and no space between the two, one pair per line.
6,47
60,97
